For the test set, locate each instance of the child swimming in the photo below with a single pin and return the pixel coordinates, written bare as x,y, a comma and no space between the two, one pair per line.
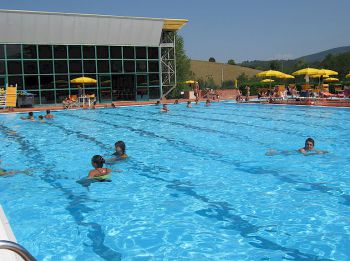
310,147
189,105
29,117
99,173
120,149
165,108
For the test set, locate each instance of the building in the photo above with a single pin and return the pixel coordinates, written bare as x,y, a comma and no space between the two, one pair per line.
132,58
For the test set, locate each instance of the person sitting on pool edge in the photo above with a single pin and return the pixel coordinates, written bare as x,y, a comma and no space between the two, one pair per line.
29,117
120,149
165,108
310,147
99,173
48,115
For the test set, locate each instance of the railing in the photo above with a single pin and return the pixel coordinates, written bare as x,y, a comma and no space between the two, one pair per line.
18,249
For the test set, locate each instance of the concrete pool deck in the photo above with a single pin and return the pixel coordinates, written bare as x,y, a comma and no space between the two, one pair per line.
7,234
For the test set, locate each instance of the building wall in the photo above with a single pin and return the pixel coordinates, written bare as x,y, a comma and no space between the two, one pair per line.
46,70
57,28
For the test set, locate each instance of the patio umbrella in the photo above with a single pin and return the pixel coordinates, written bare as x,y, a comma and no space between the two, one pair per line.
319,76
332,80
327,72
190,82
267,81
83,80
286,76
348,75
307,72
270,73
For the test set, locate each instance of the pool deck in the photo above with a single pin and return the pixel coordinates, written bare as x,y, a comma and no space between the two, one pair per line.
100,105
7,234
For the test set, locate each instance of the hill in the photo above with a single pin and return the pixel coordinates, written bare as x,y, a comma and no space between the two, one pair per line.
318,57
291,65
204,70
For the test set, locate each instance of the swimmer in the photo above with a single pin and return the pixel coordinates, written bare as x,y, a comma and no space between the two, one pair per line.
157,103
176,102
29,117
165,108
310,147
99,173
41,118
48,115
207,103
197,101
120,149
189,105
112,105
6,173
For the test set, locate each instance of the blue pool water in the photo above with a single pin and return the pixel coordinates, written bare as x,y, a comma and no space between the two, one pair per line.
197,185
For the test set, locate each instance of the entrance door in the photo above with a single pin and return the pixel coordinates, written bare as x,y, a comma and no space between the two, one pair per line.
123,87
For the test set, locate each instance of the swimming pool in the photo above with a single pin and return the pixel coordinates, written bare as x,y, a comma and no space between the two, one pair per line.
197,185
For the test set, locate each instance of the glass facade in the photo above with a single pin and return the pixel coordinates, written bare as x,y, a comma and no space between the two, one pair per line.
122,72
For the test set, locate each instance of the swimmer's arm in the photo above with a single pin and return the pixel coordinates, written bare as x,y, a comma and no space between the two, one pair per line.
91,174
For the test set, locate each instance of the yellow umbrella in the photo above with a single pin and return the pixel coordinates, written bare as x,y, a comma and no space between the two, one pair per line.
267,80
83,80
286,76
190,82
348,75
332,80
309,71
269,73
327,72
318,76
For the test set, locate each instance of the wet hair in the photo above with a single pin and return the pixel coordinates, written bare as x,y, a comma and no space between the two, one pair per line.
41,117
48,111
188,102
310,140
121,145
112,104
98,160
30,114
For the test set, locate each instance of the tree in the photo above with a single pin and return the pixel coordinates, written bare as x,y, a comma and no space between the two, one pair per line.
183,65
231,61
275,65
212,60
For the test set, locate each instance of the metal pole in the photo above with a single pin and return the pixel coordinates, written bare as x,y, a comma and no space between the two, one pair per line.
18,249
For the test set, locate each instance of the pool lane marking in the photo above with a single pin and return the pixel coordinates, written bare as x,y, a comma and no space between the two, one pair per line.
237,223
98,241
246,169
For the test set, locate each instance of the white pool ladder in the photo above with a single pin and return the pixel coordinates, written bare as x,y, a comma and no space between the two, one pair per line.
18,249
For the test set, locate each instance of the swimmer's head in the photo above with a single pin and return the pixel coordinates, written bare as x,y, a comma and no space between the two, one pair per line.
120,147
97,161
48,112
41,117
30,114
113,106
309,144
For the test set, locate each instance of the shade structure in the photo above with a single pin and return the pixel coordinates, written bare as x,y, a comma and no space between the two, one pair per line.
327,72
308,71
267,80
83,80
348,75
286,76
319,76
190,82
270,73
331,80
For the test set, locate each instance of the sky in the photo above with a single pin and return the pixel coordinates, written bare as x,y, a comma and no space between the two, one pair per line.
229,29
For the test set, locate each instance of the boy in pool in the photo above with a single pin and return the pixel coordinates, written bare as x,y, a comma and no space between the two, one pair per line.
41,118
310,147
207,103
48,115
165,108
189,105
120,149
99,173
29,117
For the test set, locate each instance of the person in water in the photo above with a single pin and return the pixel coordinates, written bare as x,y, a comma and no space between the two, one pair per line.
112,105
48,115
120,149
207,103
157,103
189,105
176,102
310,147
41,118
165,108
99,173
29,117
6,173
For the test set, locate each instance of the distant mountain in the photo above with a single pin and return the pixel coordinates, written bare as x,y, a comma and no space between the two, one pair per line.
290,65
318,57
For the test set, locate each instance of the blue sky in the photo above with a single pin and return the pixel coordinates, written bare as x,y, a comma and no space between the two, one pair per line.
237,29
